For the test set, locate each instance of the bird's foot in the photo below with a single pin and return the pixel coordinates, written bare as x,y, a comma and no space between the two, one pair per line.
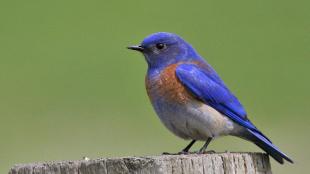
167,153
179,153
206,152
183,153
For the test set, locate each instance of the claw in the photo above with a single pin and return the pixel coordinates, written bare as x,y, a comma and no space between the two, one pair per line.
179,153
205,152
183,153
166,153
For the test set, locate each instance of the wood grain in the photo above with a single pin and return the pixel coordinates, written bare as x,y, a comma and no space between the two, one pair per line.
219,163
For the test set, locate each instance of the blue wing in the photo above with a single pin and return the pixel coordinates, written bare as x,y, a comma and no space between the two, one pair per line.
209,88
206,85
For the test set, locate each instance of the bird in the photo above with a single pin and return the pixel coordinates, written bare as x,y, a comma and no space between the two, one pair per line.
191,99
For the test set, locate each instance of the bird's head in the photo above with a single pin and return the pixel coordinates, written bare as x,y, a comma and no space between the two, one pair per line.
162,49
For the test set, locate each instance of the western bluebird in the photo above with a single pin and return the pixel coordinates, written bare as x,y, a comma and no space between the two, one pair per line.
190,98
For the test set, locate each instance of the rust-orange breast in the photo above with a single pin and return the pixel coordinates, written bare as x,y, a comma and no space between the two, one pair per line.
168,86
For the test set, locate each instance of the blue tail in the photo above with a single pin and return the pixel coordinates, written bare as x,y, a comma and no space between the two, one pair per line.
264,143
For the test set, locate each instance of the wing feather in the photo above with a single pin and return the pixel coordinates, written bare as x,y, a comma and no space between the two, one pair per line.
215,94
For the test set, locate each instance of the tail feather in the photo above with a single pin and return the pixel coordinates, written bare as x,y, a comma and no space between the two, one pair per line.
260,140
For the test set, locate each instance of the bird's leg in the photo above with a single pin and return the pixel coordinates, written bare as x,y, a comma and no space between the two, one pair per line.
184,151
204,147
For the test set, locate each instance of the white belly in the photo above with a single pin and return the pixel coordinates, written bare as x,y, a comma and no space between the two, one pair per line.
195,120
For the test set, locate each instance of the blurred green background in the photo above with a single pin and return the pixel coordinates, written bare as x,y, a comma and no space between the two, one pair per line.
69,88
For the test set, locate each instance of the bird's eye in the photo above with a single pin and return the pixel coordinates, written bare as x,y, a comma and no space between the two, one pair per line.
160,46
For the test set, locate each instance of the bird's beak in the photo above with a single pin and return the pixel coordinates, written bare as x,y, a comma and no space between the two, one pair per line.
137,48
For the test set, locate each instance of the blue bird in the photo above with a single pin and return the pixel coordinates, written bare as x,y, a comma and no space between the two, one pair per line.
190,98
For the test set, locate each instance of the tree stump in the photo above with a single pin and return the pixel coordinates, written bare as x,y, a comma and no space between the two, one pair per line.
217,163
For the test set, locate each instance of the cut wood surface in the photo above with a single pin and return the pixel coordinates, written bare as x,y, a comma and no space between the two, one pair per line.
218,163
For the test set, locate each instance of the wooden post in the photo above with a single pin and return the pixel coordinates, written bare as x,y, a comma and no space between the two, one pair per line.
218,163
